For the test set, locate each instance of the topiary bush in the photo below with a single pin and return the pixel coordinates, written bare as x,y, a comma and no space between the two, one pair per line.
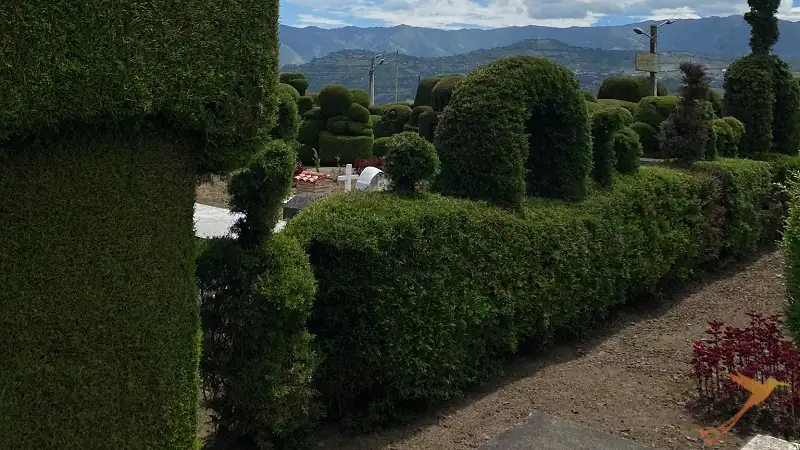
257,291
605,124
628,150
334,100
621,115
395,117
288,123
711,144
380,147
648,137
737,133
304,104
443,91
288,89
592,107
606,102
110,111
428,121
358,113
295,79
654,110
717,104
684,135
786,111
628,88
345,148
589,97
725,138
377,110
541,129
360,97
424,95
410,162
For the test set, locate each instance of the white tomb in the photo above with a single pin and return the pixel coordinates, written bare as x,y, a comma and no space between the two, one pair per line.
372,179
211,222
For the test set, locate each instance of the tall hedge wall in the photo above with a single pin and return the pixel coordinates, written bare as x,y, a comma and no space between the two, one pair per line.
98,310
457,285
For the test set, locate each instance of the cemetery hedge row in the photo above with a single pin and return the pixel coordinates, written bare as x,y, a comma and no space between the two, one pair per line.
454,286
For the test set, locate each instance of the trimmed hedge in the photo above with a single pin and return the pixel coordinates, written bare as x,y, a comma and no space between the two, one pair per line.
605,125
790,246
628,150
606,102
537,138
589,97
786,111
288,89
443,91
334,100
648,136
304,104
410,160
380,147
749,97
360,97
628,88
424,95
654,110
296,80
428,122
459,284
288,122
99,321
346,148
71,63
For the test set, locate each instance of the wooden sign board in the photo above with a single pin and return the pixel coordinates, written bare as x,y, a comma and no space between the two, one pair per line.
646,62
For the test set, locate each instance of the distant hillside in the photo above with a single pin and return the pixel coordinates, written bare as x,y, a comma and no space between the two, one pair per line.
350,67
722,37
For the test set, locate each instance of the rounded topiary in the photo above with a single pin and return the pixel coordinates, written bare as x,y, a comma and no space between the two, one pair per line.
380,147
648,137
589,97
335,100
443,91
622,115
346,148
654,110
358,113
413,119
605,124
377,110
359,129
716,101
737,132
304,104
540,128
750,98
725,142
628,150
410,160
360,97
288,122
786,111
705,110
337,124
296,80
396,116
428,121
592,107
309,130
711,143
424,96
315,96
606,102
314,113
289,89
628,88
374,118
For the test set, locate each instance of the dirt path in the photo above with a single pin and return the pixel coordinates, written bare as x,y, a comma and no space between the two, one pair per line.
629,382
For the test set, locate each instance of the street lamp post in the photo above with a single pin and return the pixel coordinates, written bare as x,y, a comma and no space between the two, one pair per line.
653,50
372,67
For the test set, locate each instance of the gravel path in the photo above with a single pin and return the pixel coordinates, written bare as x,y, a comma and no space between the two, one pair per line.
630,381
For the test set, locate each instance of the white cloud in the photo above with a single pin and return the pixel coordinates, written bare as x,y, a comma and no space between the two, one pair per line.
307,20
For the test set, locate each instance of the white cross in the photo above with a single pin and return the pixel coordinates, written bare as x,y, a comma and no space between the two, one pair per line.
348,177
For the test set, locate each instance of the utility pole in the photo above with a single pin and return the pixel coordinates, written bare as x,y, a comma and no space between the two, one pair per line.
653,49
372,66
396,72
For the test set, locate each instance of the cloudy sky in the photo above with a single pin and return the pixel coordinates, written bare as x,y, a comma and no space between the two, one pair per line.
450,14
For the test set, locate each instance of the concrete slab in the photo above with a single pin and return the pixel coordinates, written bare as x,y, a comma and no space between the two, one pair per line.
210,221
762,442
542,431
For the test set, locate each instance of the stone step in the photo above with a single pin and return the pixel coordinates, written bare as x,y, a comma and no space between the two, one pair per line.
763,442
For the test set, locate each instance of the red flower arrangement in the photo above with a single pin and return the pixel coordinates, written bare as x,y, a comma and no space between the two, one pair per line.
362,163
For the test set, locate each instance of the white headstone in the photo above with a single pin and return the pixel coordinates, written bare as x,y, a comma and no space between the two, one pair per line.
372,179
347,177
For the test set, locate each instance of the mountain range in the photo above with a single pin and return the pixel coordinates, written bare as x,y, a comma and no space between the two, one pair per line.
350,67
721,37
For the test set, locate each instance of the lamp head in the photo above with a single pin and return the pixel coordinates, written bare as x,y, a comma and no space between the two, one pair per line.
638,30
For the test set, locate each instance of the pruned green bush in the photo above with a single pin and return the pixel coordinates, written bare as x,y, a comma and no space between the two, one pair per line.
628,150
428,121
424,95
395,117
605,124
628,88
592,107
443,91
288,89
726,145
377,110
648,137
749,97
296,80
288,123
589,97
542,132
610,102
413,119
621,115
711,144
304,104
790,248
380,147
346,148
685,134
315,96
786,111
715,99
358,113
737,133
334,100
443,315
654,110
360,97
410,161
308,136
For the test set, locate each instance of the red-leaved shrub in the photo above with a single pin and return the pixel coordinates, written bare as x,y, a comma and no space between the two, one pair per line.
362,163
757,351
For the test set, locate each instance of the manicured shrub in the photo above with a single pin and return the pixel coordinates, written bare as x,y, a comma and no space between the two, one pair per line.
315,96
592,107
374,119
288,89
304,104
257,292
725,143
346,148
684,135
654,110
424,96
540,128
648,137
786,111
380,147
790,247
737,133
628,88
758,351
443,91
630,106
749,97
377,110
715,99
296,80
628,150
382,128
621,115
410,160
288,122
413,119
334,100
444,314
396,116
358,113
428,121
589,97
711,144
308,135
605,125
360,97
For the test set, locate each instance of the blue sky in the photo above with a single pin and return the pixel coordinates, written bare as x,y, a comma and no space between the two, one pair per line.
450,14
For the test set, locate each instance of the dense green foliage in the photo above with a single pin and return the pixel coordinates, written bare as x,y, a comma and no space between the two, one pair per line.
749,98
443,91
99,320
296,80
628,150
654,110
410,161
684,136
334,100
605,124
360,97
340,149
589,97
70,62
304,103
428,122
424,95
790,246
628,88
648,137
288,123
499,279
257,291
537,136
283,88
630,106
786,111
380,147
